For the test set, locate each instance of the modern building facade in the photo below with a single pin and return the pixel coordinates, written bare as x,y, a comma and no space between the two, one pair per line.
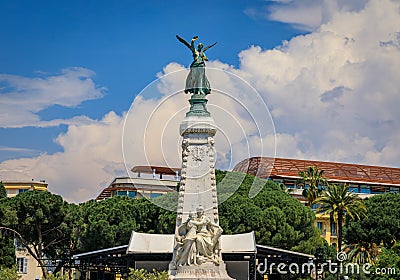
364,180
146,181
15,187
27,266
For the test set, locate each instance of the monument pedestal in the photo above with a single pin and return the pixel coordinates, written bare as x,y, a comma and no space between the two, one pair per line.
197,251
201,272
197,248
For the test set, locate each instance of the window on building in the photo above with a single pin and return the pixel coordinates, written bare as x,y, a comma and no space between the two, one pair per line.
320,226
22,265
394,190
132,194
18,245
365,189
378,190
353,188
122,193
333,229
22,190
289,183
154,195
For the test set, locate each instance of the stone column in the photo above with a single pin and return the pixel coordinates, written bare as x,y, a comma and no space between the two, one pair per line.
197,253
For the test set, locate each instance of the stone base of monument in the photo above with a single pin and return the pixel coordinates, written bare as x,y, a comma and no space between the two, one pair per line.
201,272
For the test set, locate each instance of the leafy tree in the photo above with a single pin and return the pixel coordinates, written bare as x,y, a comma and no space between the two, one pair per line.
383,224
276,218
362,253
311,245
9,273
7,249
110,222
144,275
3,191
312,180
381,228
38,223
338,201
57,276
388,259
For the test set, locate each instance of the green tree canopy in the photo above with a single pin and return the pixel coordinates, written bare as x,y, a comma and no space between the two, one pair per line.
276,218
388,259
36,218
383,224
142,274
338,202
110,222
3,191
312,180
51,228
7,249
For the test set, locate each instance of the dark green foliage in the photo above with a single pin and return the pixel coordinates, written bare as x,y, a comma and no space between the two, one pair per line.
7,249
167,201
338,202
110,222
144,275
57,229
40,219
9,273
3,191
36,218
390,260
312,180
310,246
276,218
382,225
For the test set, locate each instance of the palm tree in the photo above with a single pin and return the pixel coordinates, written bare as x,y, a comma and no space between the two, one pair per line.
339,202
312,180
363,252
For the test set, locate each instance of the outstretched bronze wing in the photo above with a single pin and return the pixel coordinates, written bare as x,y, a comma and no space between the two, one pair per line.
206,48
183,41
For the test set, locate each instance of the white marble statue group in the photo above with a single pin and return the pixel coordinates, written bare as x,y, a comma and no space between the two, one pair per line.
197,241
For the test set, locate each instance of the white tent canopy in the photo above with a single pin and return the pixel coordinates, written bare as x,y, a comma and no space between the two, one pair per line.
164,243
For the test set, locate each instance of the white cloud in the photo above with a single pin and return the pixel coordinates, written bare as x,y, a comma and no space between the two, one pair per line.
308,15
336,89
17,150
92,152
91,157
153,122
22,98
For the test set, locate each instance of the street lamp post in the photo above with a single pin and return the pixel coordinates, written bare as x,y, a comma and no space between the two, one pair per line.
319,259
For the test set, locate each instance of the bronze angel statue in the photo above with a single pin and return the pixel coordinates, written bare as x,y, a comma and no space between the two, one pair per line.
196,81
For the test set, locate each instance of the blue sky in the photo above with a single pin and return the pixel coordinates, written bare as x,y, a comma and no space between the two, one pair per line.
124,42
70,70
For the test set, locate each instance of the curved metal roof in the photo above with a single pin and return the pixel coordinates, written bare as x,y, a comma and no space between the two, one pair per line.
265,167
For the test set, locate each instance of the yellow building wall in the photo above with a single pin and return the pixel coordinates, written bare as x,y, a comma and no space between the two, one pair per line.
15,187
33,272
326,231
